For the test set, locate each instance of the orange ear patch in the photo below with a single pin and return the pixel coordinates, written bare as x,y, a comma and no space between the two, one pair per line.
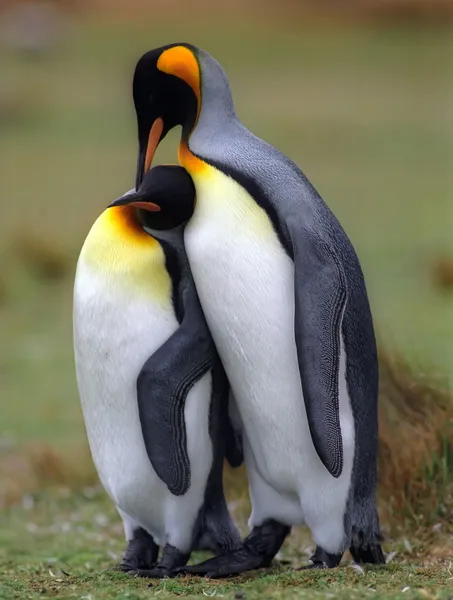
189,161
181,62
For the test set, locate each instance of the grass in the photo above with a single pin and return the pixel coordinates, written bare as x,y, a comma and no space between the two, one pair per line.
415,445
61,546
365,112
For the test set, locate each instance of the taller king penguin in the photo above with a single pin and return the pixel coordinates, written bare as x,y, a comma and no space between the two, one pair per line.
285,299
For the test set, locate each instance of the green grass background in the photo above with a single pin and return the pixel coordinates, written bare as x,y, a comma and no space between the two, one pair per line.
366,112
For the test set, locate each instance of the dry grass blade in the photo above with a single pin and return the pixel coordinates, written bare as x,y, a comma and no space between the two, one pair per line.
415,443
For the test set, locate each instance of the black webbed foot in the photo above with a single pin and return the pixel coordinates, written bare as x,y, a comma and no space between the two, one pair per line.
157,572
141,553
256,552
171,559
233,563
124,568
322,560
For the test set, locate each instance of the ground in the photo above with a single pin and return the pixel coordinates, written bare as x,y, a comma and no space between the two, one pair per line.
364,111
62,547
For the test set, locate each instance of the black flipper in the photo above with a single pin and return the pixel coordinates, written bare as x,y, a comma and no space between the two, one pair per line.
320,300
141,553
257,552
162,387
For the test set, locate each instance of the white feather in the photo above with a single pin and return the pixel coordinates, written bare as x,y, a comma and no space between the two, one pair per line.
115,332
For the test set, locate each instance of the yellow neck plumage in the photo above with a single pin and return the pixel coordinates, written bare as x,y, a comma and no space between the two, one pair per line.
118,246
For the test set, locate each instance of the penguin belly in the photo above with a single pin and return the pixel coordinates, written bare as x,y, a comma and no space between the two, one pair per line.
115,331
245,281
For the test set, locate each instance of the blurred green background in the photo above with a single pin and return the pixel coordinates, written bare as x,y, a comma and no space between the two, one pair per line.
364,106
360,96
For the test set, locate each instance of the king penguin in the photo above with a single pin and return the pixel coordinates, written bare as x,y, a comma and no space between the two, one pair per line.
285,299
153,391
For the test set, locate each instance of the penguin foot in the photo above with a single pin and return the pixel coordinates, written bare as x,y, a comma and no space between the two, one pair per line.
141,553
371,553
170,560
323,560
158,572
217,532
124,568
256,552
233,563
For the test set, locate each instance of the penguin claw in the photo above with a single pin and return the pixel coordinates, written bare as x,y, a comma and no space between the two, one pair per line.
123,568
155,573
133,573
322,560
227,565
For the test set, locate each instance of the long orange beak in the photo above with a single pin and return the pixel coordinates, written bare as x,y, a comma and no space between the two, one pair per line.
153,141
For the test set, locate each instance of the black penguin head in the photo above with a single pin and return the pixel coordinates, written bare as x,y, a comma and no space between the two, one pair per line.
165,198
166,91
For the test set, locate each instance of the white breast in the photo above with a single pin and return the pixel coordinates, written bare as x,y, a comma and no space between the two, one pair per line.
245,281
115,332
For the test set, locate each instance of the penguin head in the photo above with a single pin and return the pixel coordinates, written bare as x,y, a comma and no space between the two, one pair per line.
166,94
168,86
164,199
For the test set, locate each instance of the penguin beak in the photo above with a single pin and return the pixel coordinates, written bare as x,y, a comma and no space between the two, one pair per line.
147,154
136,200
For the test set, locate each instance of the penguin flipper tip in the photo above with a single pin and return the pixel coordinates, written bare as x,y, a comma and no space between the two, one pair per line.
334,460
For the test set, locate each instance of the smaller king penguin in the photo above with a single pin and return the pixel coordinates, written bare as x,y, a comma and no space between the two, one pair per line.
153,391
